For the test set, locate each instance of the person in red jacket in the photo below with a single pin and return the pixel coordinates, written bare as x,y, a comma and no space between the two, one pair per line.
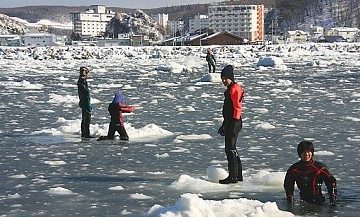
309,175
116,110
232,124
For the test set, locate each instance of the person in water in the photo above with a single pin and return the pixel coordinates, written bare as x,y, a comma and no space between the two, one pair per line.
210,59
116,109
309,175
84,101
232,123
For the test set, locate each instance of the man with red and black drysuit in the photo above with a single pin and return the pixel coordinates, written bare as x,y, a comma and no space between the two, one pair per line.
232,124
116,109
309,175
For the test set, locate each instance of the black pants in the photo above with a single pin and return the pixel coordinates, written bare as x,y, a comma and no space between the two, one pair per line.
85,123
211,65
120,129
231,135
85,116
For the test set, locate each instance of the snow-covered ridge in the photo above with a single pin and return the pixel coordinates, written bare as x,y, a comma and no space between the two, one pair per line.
15,25
80,53
11,26
137,22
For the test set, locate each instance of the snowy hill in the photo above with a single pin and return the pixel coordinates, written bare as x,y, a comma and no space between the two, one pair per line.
137,23
11,26
328,14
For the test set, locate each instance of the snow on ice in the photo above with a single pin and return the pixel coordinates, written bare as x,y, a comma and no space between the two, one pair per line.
193,205
189,204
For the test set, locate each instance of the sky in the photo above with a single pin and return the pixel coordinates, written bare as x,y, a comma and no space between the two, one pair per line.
141,4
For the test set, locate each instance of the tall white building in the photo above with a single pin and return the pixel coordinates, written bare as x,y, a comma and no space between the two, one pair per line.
176,26
246,21
161,19
198,22
92,22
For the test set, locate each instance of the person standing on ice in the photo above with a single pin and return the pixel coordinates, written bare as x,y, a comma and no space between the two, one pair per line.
309,175
210,59
85,103
232,124
116,108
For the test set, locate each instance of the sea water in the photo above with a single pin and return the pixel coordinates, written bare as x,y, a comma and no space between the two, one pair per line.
48,170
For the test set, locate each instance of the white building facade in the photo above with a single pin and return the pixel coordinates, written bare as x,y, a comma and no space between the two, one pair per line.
92,22
297,36
38,39
176,26
316,30
349,34
6,40
245,21
198,22
161,19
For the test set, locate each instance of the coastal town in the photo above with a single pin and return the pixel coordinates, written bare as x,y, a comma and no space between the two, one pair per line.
222,25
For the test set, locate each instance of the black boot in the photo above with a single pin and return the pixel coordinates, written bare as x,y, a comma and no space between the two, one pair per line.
239,176
124,138
87,131
233,174
102,138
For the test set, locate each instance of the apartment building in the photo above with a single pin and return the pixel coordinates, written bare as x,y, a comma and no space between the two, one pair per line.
245,21
198,22
161,19
176,27
92,22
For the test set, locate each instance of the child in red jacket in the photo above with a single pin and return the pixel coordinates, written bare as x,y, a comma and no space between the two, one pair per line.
116,108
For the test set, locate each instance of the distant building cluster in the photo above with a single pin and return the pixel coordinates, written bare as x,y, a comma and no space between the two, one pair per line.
161,19
241,21
32,39
222,25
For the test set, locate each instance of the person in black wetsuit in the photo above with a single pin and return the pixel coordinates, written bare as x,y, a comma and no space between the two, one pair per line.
84,102
116,108
309,175
232,124
210,59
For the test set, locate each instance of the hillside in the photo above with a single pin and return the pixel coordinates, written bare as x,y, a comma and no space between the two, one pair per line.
327,13
10,26
136,22
284,13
